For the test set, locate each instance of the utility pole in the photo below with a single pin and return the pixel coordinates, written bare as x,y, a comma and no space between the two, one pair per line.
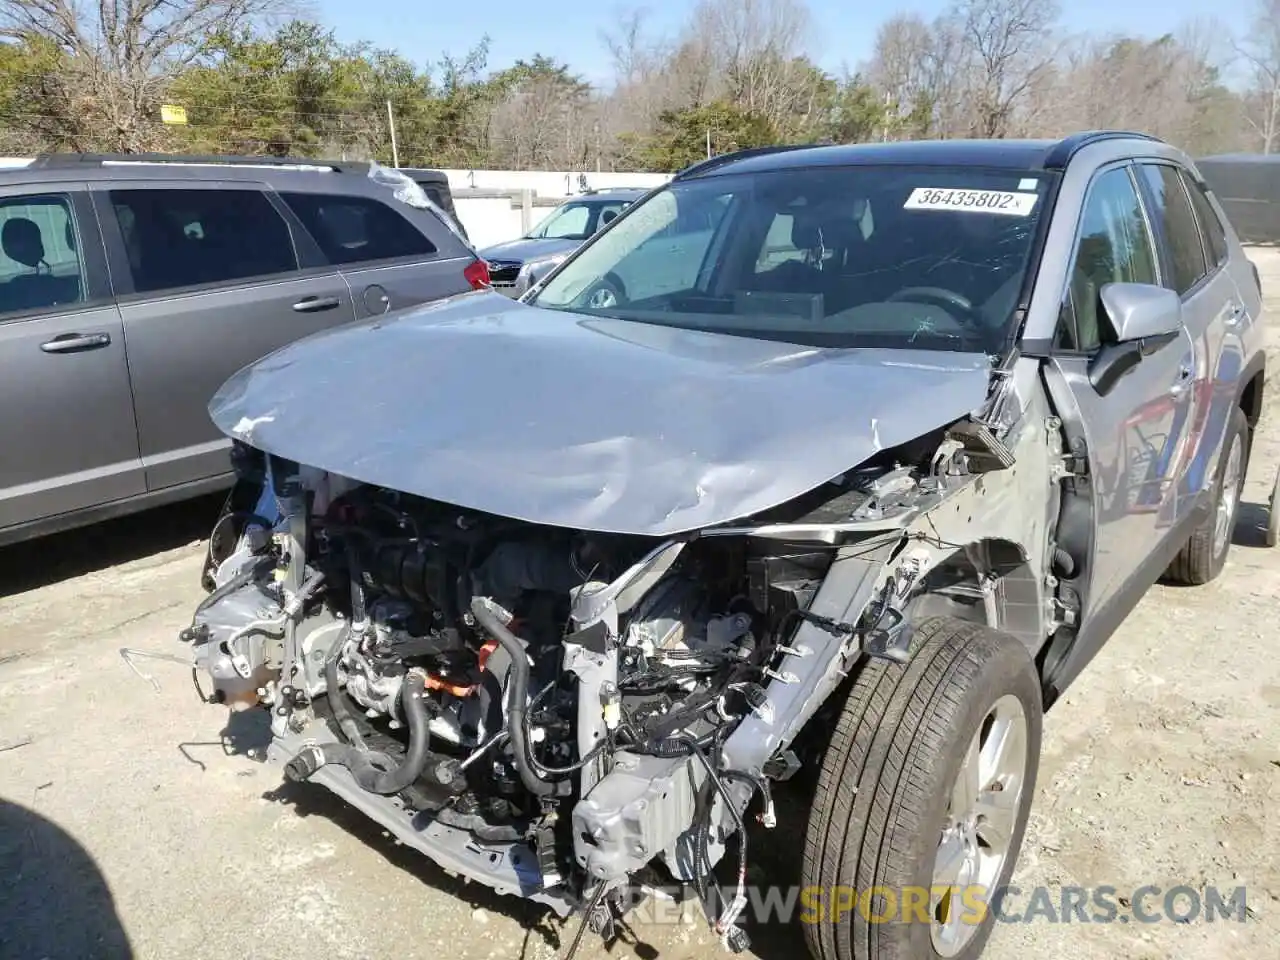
708,143
395,149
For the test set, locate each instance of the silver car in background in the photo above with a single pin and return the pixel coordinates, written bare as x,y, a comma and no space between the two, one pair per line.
517,265
133,286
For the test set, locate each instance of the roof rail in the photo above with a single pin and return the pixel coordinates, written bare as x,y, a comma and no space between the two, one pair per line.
711,163
1061,153
55,161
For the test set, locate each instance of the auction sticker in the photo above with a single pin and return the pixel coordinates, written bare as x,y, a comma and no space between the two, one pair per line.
1006,202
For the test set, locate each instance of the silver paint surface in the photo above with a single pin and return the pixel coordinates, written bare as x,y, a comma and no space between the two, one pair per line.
586,422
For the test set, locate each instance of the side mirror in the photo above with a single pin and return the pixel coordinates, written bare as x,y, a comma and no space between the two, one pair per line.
1139,311
1144,317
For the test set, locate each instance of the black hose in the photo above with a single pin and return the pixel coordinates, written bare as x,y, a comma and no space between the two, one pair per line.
517,698
542,768
337,703
377,772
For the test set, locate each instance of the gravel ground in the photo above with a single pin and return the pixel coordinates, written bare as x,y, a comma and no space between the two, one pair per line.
133,819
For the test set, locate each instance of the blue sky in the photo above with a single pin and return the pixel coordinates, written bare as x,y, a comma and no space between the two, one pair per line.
569,30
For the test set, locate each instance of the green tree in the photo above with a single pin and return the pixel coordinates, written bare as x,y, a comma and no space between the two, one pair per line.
111,64
301,92
683,136
853,112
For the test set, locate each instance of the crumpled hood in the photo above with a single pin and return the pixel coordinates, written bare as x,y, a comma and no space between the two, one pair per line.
525,249
586,422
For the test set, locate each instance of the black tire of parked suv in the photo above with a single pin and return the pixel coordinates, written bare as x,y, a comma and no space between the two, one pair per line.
611,286
883,790
1198,562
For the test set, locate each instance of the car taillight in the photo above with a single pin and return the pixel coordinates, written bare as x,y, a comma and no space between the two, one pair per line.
477,274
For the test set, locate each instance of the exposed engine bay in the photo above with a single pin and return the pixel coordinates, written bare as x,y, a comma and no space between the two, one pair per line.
552,711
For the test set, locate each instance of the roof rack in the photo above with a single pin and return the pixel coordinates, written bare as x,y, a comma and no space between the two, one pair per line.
711,163
54,161
1061,153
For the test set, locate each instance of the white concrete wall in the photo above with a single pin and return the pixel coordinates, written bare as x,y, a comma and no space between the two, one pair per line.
491,220
550,183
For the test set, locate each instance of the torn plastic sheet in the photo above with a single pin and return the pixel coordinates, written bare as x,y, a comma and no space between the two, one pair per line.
591,423
409,191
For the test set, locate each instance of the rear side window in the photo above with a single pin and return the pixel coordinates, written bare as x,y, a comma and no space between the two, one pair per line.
40,267
1174,217
358,229
1215,236
184,238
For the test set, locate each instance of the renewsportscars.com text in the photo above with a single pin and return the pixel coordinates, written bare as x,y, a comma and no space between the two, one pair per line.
1011,904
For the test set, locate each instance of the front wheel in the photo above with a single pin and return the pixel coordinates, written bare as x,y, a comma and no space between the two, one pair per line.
1204,555
922,799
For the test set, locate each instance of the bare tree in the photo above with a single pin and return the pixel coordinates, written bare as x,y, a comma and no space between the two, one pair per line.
116,57
1260,49
756,50
917,66
1009,42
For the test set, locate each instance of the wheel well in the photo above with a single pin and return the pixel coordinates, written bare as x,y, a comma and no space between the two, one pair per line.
1251,399
955,588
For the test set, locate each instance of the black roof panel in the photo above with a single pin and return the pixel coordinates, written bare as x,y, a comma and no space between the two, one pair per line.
1021,154
1011,154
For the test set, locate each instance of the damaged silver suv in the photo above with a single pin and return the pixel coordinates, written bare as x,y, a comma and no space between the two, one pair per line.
837,458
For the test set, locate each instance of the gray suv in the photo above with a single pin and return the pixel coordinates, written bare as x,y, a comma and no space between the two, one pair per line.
832,465
131,287
516,265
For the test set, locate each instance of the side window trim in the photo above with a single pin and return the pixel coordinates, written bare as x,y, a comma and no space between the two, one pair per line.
117,253
95,287
311,258
1064,295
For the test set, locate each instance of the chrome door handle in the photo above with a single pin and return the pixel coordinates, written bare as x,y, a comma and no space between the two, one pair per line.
316,304
76,342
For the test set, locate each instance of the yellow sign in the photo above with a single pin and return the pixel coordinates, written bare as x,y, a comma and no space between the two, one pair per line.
170,113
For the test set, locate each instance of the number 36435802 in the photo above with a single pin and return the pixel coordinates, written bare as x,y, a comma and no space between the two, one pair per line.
1007,202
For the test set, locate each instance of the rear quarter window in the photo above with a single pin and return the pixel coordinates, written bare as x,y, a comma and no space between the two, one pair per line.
1215,235
358,229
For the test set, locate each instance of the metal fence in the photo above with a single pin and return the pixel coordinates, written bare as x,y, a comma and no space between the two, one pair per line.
1248,187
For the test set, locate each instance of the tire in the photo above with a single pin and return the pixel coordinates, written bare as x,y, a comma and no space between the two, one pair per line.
1204,555
609,291
885,787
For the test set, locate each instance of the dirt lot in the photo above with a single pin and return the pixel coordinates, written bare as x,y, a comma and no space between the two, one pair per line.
126,823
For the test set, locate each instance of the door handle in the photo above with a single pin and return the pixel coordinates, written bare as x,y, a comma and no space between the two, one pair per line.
76,342
316,304
1235,313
